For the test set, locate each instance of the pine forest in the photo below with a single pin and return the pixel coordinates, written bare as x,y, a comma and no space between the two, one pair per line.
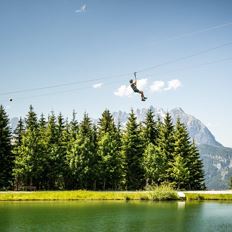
54,153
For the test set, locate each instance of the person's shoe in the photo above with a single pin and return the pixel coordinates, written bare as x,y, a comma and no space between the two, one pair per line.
145,98
142,99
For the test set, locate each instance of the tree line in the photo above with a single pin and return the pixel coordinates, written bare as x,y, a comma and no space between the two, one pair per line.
53,153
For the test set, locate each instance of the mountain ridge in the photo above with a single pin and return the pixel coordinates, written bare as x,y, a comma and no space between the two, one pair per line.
197,130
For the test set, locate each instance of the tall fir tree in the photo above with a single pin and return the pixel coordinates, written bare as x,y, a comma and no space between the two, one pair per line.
154,164
73,126
182,147
61,152
151,159
6,156
17,142
27,167
18,132
150,130
55,147
42,122
70,135
111,161
81,156
180,173
31,119
42,157
132,150
165,147
197,180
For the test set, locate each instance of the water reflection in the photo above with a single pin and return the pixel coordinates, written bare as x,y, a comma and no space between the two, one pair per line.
107,216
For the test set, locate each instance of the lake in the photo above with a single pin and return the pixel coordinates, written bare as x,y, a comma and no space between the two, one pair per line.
107,216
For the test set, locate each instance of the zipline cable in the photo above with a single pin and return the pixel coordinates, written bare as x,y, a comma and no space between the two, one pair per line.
65,91
113,82
196,66
56,86
122,75
172,38
199,31
185,57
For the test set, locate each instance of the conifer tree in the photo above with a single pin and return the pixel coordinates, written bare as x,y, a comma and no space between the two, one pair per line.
61,144
27,165
81,156
154,165
17,142
151,159
111,161
180,173
150,131
182,145
6,157
186,154
73,130
31,119
55,147
18,133
42,122
132,150
70,136
165,147
196,181
42,154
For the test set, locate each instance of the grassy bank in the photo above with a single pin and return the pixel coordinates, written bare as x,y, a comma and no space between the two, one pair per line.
160,193
208,196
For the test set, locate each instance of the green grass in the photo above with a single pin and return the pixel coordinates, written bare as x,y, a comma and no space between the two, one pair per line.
205,196
159,193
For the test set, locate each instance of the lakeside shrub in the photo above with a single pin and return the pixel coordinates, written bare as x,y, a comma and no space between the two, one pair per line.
162,192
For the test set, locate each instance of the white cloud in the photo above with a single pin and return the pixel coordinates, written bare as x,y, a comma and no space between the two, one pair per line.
141,84
124,90
82,9
173,84
157,86
98,85
160,86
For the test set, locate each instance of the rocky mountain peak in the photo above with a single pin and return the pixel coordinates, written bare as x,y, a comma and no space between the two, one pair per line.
197,130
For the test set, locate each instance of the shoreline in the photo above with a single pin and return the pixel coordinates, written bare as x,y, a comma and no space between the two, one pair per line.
85,195
114,195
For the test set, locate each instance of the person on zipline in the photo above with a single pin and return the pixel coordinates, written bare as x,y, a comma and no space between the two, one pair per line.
133,84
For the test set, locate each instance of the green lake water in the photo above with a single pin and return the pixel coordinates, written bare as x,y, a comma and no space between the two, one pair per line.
107,216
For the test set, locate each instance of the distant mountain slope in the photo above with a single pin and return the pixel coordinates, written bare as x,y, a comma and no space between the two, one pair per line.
13,123
217,165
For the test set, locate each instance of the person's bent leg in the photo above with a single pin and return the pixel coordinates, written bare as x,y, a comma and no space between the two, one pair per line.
142,95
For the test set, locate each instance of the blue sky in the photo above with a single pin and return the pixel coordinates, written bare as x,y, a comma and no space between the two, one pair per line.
182,51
